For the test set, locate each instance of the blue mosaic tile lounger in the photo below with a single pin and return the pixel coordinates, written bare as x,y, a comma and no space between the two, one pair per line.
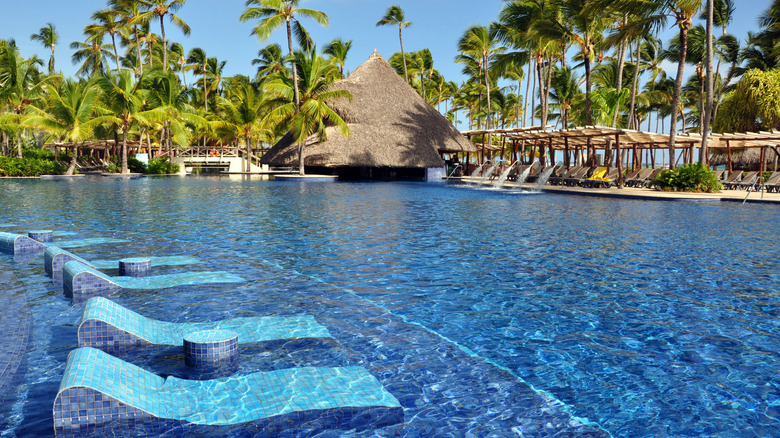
83,282
99,389
17,244
56,257
106,324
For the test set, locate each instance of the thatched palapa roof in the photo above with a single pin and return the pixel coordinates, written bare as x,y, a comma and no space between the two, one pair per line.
390,126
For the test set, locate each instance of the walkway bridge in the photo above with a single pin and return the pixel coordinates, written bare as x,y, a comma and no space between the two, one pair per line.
229,159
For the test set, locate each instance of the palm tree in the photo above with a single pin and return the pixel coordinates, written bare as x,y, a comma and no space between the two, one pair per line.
21,84
710,87
272,15
564,89
92,55
130,11
269,62
179,61
480,44
338,50
243,113
198,62
107,22
169,106
69,112
314,114
124,101
161,8
49,38
395,16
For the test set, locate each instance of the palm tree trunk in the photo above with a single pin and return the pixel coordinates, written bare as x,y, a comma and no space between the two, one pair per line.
51,61
588,87
124,150
205,90
619,84
533,91
19,145
403,54
548,87
116,53
300,159
487,85
248,153
138,50
635,85
151,54
72,166
527,90
704,151
677,89
294,71
164,44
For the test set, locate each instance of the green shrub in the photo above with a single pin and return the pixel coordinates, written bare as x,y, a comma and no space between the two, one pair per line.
35,153
689,178
12,166
162,166
135,165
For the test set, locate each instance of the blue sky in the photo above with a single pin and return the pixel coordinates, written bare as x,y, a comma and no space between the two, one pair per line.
438,24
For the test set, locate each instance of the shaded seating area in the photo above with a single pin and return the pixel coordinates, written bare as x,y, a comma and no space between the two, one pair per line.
106,324
99,389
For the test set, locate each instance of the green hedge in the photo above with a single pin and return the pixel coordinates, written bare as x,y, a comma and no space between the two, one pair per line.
36,162
689,178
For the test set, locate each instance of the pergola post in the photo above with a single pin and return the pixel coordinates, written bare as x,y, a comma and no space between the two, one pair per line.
728,153
761,166
566,159
619,161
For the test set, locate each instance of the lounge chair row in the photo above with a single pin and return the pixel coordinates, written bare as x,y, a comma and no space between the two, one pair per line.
739,180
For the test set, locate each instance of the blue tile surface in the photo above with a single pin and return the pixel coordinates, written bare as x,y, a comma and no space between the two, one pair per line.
207,348
54,258
106,323
135,267
81,281
156,261
17,244
79,243
98,388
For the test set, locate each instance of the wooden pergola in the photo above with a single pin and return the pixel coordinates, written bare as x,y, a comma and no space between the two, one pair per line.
748,140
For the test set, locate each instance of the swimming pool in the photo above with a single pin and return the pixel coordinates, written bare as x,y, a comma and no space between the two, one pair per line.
485,312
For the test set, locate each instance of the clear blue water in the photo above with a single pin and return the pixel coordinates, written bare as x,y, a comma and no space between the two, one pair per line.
485,312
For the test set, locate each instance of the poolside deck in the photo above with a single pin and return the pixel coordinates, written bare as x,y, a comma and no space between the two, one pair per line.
640,193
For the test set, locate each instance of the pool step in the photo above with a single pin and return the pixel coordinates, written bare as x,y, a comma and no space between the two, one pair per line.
17,244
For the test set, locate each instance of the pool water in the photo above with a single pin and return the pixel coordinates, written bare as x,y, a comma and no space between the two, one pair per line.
485,312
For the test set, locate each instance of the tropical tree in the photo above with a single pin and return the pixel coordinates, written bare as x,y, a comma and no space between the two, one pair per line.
338,50
395,17
243,113
269,62
107,22
130,12
168,106
92,54
71,111
49,38
564,89
314,113
197,61
123,99
159,9
481,45
272,15
21,84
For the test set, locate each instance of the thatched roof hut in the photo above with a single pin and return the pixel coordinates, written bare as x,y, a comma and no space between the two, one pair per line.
745,159
391,127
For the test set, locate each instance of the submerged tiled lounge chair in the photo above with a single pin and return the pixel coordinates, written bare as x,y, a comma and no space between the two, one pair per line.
54,259
83,281
17,244
98,389
106,324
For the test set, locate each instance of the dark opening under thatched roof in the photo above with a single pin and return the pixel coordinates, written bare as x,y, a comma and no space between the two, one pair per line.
390,126
745,159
